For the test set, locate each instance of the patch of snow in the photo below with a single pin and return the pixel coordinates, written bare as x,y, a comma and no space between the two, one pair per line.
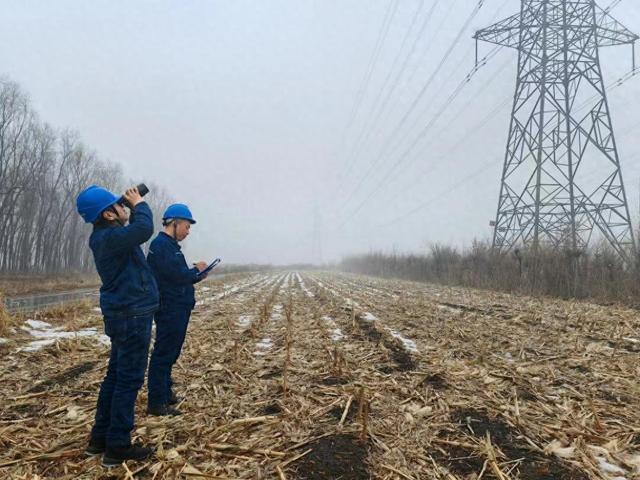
244,321
335,332
48,334
304,288
263,346
349,301
3,340
275,312
56,333
38,324
407,343
336,335
38,344
448,309
608,467
369,317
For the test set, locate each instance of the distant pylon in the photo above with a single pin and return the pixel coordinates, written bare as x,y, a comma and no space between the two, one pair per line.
316,245
561,180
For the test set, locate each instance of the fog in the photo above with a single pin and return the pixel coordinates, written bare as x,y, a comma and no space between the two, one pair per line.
244,111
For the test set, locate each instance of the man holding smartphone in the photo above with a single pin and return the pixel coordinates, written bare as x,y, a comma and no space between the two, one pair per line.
177,299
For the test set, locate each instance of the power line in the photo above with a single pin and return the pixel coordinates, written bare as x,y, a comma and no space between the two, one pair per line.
407,151
470,177
612,86
419,97
378,107
367,132
382,35
479,64
613,5
416,141
477,127
431,200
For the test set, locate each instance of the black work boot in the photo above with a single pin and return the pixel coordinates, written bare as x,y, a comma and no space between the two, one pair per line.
114,456
163,411
96,446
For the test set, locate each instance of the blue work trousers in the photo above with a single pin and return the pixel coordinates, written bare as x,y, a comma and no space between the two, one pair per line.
171,330
130,338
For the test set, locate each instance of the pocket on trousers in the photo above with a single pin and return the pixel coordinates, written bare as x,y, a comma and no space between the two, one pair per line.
116,329
139,325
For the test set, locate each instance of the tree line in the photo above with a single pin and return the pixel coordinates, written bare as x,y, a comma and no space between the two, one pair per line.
42,170
598,273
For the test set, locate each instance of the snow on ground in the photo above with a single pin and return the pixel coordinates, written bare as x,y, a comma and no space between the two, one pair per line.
276,312
39,324
48,335
336,333
304,288
230,290
369,317
287,281
407,343
244,321
263,346
610,469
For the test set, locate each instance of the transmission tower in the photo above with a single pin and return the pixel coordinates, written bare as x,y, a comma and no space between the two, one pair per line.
316,245
561,181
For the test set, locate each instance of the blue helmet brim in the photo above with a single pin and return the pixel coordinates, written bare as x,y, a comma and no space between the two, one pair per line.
190,220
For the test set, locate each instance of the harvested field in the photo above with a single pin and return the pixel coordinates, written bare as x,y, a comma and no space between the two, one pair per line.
323,375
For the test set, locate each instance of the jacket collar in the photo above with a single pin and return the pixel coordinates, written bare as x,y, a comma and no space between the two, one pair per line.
171,240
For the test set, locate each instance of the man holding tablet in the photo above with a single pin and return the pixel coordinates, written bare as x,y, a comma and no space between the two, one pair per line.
177,299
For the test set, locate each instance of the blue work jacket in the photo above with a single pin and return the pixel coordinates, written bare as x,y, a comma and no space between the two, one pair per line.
128,286
175,278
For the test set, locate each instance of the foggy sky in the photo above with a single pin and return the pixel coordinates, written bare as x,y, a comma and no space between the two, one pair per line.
240,107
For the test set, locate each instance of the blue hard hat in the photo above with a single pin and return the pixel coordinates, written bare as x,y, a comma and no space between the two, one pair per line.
179,211
94,200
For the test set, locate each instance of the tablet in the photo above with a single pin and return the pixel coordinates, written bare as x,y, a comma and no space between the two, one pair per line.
210,267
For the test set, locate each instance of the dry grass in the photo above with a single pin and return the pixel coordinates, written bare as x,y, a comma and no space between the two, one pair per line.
25,284
5,318
499,387
597,274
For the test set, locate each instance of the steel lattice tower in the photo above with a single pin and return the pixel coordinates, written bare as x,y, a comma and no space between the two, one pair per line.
561,180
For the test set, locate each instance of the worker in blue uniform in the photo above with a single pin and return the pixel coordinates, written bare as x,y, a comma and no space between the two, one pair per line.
128,299
177,299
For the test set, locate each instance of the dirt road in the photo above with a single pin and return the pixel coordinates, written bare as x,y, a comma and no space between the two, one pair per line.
322,375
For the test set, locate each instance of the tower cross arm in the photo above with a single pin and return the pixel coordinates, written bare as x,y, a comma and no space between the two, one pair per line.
505,33
610,31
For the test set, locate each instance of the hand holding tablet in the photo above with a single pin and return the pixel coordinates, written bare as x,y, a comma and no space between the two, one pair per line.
210,267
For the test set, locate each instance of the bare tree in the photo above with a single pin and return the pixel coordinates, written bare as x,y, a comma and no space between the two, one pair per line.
41,173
